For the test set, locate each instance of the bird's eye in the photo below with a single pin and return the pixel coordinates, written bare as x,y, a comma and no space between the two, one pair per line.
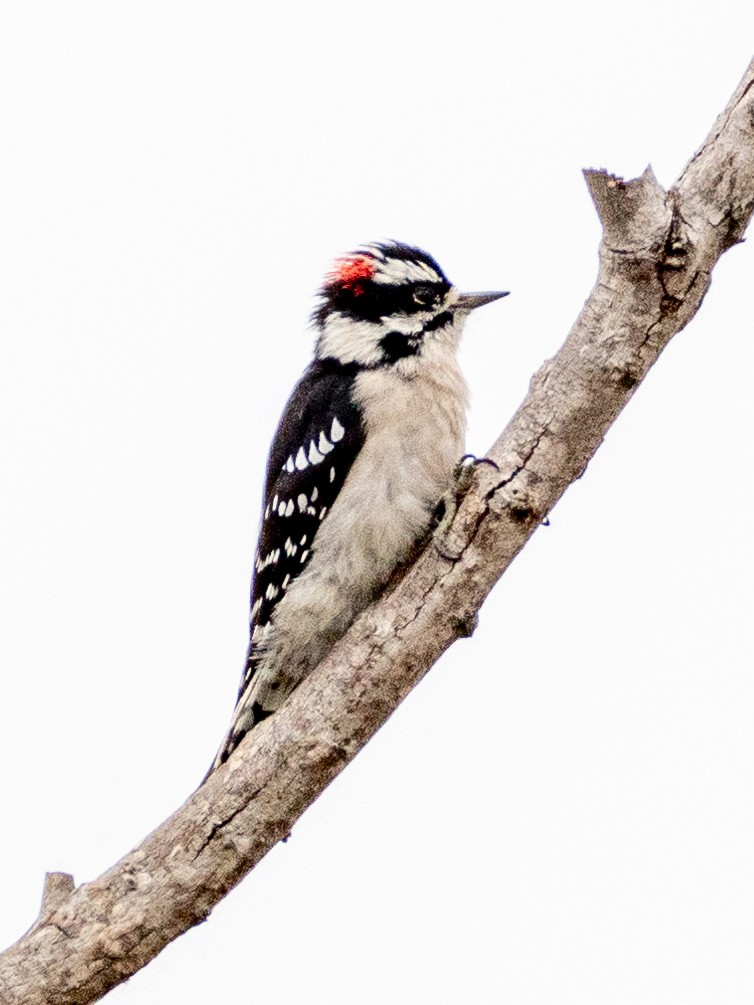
425,296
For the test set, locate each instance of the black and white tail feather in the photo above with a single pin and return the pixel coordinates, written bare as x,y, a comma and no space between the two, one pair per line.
365,448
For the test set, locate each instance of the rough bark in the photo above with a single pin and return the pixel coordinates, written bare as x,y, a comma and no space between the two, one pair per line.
656,257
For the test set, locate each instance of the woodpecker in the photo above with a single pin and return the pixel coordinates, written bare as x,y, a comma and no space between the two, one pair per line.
366,447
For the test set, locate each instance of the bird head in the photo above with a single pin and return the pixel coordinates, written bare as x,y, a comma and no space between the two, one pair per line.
385,302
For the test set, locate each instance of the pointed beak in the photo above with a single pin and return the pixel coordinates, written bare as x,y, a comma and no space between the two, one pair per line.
470,301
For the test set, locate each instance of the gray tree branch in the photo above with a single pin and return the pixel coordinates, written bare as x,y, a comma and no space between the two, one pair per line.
656,257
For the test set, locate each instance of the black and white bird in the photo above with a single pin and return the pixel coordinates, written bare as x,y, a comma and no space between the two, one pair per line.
366,447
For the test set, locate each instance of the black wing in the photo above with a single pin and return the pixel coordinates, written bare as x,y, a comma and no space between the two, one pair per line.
318,438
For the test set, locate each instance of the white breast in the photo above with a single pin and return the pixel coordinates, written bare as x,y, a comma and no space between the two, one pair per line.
414,436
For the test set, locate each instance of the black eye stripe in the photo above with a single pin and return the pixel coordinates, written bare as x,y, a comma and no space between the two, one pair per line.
425,295
372,301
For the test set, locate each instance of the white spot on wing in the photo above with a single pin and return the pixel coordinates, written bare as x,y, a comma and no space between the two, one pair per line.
302,501
281,508
332,474
289,465
289,507
301,461
324,444
270,559
315,494
337,431
271,592
286,581
304,556
314,455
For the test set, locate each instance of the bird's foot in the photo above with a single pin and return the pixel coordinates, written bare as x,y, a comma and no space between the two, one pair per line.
447,507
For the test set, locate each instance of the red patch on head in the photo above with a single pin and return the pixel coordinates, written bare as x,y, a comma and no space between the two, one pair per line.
348,273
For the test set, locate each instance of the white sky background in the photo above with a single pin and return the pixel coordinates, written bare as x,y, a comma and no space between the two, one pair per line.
562,811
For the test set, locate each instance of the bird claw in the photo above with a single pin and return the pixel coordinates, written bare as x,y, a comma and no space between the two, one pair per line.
447,507
464,470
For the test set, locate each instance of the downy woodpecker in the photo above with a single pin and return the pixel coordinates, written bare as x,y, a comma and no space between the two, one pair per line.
366,447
